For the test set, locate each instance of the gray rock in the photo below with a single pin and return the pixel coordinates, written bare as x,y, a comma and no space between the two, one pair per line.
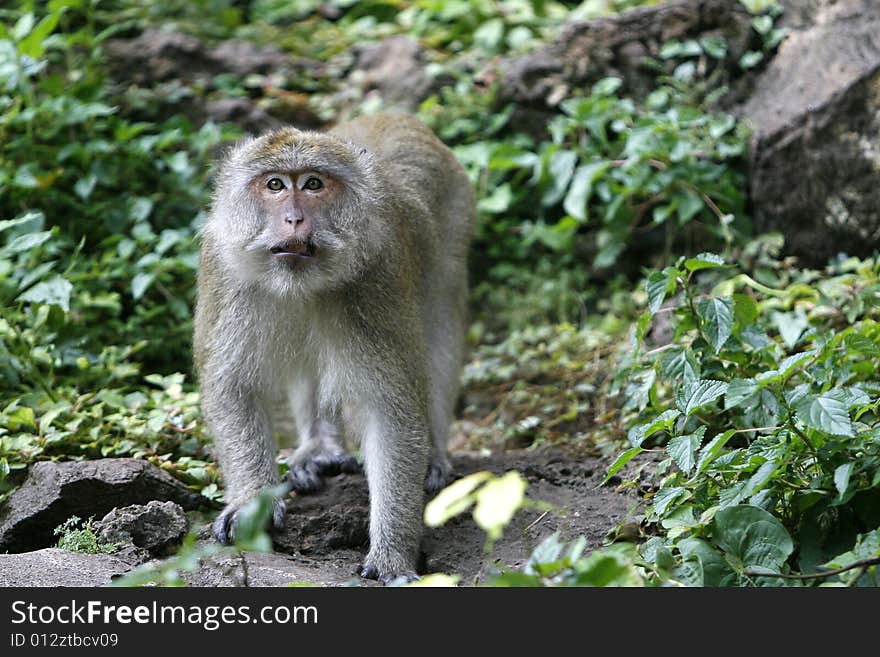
53,492
274,569
815,113
242,111
54,567
155,527
395,69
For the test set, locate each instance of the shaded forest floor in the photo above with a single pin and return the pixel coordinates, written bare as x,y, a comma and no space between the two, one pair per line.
325,537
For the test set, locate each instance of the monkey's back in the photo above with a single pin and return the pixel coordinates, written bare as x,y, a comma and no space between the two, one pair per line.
423,171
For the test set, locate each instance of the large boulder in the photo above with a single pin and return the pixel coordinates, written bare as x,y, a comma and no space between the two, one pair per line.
53,492
815,113
54,567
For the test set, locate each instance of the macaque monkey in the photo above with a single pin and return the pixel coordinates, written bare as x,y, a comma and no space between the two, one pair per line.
333,271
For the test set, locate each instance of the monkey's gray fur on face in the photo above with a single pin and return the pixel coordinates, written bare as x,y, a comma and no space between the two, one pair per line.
333,274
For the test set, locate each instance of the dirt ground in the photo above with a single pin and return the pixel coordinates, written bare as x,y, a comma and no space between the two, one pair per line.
326,537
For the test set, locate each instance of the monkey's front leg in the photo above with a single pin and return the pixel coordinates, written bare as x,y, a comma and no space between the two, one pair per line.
239,425
395,460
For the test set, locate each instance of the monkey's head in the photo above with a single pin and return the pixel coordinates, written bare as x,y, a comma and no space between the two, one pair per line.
297,212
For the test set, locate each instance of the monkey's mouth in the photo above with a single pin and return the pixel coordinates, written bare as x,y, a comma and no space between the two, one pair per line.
293,251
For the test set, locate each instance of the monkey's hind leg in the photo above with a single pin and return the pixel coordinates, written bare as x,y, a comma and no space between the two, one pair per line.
320,452
446,349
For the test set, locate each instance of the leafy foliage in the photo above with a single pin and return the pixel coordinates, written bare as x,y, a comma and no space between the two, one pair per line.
74,535
763,407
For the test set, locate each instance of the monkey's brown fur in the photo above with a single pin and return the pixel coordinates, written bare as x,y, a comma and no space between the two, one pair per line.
349,291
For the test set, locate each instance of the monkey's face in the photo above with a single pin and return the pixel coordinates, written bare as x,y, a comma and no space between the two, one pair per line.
292,205
297,212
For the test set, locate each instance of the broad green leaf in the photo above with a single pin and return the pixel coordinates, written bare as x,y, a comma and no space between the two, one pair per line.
658,285
606,86
704,261
141,283
603,569
790,325
717,318
578,196
27,241
826,412
683,448
841,477
738,391
712,566
752,538
54,291
621,461
454,499
637,434
713,449
498,500
665,497
745,310
561,169
691,396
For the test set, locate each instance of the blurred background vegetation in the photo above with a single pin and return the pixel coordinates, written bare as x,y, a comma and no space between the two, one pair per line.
587,321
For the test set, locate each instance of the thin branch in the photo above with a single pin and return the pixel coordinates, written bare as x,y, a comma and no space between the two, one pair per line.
863,563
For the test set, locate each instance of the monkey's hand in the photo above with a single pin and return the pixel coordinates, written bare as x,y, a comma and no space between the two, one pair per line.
307,475
224,525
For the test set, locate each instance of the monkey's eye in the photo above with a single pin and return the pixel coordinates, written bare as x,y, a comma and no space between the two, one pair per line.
313,184
275,184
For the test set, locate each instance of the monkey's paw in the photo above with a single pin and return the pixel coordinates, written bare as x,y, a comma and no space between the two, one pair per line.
439,476
224,525
308,476
371,571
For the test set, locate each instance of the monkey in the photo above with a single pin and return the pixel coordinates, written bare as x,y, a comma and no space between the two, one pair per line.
333,272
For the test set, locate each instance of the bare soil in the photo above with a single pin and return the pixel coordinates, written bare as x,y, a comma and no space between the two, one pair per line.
326,535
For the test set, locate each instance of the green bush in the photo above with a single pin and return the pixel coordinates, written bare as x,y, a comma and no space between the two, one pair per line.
764,408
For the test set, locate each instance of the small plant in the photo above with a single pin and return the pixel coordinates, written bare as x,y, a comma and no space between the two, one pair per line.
77,536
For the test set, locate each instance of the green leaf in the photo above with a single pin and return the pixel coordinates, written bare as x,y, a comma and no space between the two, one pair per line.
717,317
712,566
454,499
715,47
713,449
621,461
683,448
704,261
665,497
54,291
606,86
27,241
752,538
638,434
603,569
841,478
696,394
790,326
141,283
738,391
750,59
578,196
561,169
826,412
658,285
498,500
745,310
